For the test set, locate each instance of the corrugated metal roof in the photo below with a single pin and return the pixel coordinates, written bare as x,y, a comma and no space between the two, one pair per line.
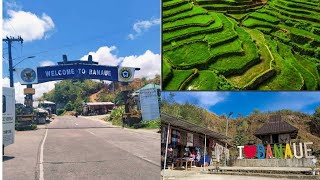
181,123
99,103
149,86
47,102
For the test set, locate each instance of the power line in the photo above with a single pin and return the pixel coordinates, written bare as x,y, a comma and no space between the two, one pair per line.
12,27
64,46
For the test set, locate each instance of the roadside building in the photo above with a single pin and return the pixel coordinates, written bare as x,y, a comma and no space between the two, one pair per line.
183,142
47,105
97,108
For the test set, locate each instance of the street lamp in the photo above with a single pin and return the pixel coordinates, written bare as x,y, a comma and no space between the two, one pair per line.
11,69
29,57
225,157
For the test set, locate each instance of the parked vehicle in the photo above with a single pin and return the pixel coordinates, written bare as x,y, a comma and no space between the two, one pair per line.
41,115
8,116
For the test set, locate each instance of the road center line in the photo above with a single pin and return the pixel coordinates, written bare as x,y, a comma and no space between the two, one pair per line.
41,156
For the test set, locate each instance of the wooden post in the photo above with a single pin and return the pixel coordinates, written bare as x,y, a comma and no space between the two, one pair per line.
166,152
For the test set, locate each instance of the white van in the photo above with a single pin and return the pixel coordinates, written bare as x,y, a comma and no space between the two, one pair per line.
8,116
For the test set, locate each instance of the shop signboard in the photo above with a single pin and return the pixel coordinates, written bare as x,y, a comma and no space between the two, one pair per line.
149,104
261,152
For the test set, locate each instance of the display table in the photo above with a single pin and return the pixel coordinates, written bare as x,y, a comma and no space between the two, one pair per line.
181,161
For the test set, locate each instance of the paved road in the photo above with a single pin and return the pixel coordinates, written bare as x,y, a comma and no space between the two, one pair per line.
80,148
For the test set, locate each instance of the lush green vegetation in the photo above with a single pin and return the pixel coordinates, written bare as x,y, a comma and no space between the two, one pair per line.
116,116
71,94
179,76
266,45
153,124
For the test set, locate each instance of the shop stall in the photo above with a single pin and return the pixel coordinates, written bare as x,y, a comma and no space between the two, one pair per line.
187,145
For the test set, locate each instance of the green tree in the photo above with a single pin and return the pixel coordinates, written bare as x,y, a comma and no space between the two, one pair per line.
69,106
106,97
256,111
240,139
144,80
244,126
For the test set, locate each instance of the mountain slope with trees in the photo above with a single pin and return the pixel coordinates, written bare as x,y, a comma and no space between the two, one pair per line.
241,129
69,95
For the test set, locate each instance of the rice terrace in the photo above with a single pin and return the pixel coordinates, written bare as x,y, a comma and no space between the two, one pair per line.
241,44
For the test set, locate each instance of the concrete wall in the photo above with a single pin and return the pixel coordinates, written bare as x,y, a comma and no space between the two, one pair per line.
271,162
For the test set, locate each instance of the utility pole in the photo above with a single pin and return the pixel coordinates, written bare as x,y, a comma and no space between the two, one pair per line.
9,40
226,145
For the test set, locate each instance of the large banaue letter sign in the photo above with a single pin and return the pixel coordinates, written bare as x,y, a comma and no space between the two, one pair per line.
78,71
262,152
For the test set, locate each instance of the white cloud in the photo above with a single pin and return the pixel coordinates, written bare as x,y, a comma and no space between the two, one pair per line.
27,25
47,63
142,26
208,99
104,56
40,89
149,62
202,98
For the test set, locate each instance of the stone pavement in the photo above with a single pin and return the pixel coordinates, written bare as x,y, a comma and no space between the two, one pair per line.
276,173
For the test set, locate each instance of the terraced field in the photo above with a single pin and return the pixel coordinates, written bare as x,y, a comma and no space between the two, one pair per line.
241,44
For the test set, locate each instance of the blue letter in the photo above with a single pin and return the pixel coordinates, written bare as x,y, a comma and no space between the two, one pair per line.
261,154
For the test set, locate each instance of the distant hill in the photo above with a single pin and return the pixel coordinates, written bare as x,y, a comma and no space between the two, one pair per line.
241,129
70,94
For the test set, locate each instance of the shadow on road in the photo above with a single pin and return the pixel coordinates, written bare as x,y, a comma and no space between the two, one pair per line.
6,158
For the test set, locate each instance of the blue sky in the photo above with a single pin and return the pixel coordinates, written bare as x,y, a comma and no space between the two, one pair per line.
81,27
115,32
246,102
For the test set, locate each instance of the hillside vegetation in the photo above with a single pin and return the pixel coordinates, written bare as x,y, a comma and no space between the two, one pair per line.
241,129
241,44
69,95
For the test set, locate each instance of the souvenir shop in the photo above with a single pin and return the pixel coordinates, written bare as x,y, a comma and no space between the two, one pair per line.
186,145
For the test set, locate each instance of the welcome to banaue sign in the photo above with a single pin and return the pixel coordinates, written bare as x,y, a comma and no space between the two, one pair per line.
259,151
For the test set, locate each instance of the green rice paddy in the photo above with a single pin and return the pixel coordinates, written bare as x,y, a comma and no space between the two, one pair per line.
238,45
